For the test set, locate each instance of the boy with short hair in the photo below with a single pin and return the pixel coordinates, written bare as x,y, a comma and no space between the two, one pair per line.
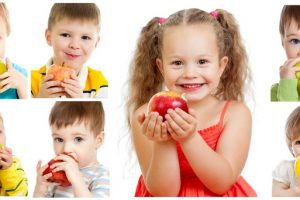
288,88
77,132
13,82
73,32
13,181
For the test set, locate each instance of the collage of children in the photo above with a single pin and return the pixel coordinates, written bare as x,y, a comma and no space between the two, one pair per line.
129,99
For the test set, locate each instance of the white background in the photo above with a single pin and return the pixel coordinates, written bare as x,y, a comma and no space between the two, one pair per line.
26,121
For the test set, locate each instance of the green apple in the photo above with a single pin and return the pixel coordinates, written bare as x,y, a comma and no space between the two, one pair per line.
2,67
297,73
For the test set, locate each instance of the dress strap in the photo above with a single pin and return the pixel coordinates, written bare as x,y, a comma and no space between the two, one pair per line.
223,112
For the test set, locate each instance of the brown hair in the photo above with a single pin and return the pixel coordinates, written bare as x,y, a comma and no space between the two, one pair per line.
67,113
292,127
145,78
4,14
81,11
288,14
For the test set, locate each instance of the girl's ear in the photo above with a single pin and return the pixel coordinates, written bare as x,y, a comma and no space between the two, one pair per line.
159,64
48,37
99,139
223,64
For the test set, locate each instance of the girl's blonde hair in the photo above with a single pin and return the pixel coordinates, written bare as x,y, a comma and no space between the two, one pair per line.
292,127
288,14
145,78
4,14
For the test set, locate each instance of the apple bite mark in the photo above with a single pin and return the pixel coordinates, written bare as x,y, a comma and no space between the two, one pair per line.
165,100
60,72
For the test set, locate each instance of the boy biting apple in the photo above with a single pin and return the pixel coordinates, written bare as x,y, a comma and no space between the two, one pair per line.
77,132
73,33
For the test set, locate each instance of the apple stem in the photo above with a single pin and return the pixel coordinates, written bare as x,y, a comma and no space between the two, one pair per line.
63,64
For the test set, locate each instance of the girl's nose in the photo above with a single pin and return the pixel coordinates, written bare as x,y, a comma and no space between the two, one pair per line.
68,148
189,71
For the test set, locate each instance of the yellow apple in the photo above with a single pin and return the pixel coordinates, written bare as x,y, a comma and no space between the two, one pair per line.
297,166
2,67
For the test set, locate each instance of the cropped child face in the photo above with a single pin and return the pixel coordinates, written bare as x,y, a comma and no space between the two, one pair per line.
73,41
190,60
2,134
78,141
291,40
3,38
296,146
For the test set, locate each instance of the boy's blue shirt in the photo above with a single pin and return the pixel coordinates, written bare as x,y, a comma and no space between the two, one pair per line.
12,92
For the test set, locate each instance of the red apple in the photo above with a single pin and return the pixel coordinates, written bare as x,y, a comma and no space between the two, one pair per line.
60,72
165,100
59,176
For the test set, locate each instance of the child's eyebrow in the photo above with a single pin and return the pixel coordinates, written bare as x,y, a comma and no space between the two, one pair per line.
293,35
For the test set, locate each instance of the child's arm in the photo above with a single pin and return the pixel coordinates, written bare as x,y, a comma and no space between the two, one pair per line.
280,189
14,180
41,186
72,87
287,87
218,170
157,154
13,79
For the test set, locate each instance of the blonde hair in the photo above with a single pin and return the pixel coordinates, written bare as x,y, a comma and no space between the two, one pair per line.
145,78
292,127
4,14
81,11
288,14
66,113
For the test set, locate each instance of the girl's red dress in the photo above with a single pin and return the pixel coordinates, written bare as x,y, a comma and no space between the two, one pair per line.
190,184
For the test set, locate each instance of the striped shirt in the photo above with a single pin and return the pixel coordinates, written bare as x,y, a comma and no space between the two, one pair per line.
13,181
96,178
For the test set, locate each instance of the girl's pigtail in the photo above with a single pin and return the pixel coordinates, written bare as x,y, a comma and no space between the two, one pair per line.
145,78
233,80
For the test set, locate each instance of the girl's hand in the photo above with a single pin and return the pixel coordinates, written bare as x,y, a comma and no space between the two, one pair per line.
50,88
154,128
6,158
288,69
180,124
13,79
41,186
70,167
72,87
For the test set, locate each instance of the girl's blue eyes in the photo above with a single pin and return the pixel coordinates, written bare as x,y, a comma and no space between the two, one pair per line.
78,139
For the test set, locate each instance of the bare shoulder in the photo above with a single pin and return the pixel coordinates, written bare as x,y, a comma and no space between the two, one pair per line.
238,109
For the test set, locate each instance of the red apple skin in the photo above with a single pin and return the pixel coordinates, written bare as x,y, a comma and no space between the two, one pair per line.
165,100
59,176
60,72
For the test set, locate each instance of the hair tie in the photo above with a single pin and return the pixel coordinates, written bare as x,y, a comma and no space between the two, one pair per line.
214,14
161,20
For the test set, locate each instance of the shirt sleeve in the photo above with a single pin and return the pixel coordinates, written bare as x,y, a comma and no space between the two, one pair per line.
287,90
14,180
100,185
284,172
